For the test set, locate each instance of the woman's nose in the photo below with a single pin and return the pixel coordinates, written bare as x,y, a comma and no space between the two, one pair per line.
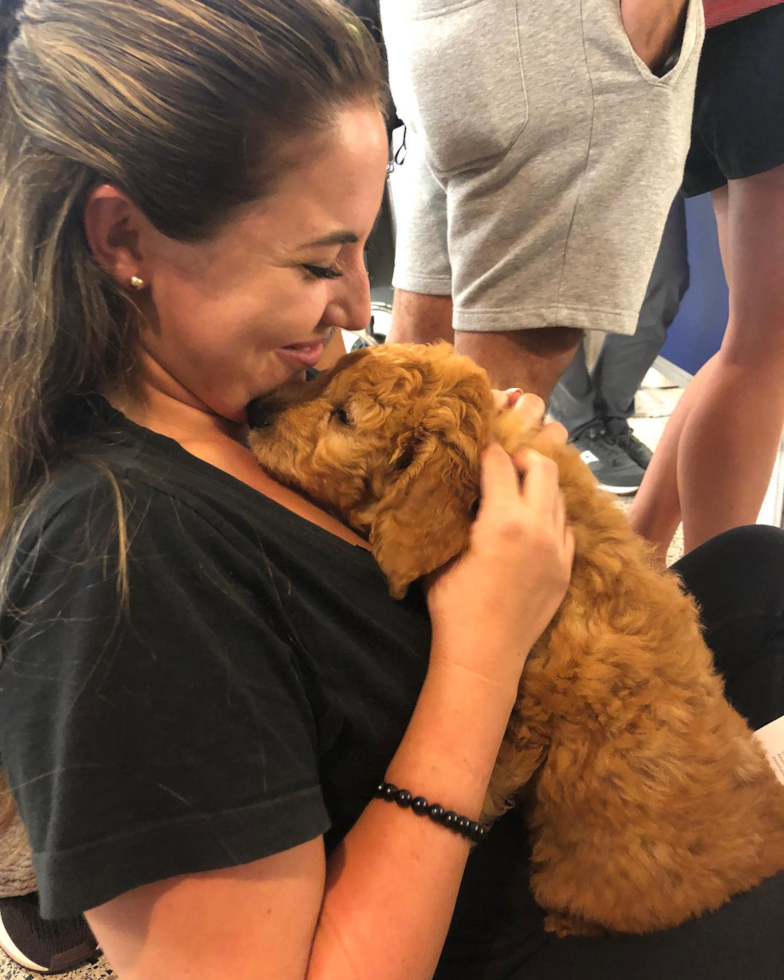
349,307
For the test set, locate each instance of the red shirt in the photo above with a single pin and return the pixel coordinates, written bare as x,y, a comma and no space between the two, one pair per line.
720,11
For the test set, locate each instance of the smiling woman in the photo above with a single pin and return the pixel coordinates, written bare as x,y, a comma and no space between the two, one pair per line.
278,277
204,678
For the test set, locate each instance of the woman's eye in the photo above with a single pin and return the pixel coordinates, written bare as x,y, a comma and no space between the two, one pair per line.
322,271
342,416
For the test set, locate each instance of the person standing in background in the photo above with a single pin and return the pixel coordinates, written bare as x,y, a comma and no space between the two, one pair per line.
546,142
595,406
714,462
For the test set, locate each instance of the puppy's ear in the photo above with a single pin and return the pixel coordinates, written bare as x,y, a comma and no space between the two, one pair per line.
425,517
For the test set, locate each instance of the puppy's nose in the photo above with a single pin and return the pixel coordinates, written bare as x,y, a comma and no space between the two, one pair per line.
261,413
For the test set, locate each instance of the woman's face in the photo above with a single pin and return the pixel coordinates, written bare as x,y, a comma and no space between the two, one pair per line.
231,318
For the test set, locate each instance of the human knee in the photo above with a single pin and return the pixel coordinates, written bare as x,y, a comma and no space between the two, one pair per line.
550,342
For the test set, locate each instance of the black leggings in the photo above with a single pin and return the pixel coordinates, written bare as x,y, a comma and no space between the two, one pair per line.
738,581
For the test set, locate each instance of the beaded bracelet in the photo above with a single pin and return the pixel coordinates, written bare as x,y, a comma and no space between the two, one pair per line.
419,805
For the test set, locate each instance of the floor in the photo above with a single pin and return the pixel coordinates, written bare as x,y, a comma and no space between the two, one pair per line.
99,970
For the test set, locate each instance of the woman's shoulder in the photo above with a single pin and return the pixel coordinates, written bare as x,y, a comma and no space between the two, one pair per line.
81,493
118,468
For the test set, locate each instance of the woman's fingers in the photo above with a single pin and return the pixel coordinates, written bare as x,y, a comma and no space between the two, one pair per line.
555,434
508,398
531,406
540,480
569,548
500,482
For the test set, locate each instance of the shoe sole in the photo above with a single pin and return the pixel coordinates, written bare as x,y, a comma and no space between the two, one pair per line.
11,950
619,491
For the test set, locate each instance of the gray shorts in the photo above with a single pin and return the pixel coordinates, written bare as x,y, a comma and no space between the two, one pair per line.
542,160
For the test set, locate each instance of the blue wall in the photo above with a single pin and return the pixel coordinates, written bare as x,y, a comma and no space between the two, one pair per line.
696,332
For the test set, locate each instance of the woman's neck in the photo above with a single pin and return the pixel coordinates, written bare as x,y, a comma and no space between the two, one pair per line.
159,402
165,407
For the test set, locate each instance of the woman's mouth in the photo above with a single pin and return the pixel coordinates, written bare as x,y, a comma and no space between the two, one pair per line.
303,355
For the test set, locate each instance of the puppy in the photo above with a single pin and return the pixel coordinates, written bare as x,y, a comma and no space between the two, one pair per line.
651,800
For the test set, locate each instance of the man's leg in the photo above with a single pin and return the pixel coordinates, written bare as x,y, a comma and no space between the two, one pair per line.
546,242
422,304
420,319
529,359
542,241
624,361
573,400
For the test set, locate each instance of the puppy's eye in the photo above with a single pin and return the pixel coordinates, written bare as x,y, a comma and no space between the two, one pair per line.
342,416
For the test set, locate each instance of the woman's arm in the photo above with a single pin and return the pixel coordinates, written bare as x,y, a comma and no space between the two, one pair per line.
381,907
390,889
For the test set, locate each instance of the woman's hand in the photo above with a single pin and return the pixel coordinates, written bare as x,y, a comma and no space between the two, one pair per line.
490,606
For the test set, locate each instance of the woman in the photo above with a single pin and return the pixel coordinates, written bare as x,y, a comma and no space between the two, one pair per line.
204,678
714,462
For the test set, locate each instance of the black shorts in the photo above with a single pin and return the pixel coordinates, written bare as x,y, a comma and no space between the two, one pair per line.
738,128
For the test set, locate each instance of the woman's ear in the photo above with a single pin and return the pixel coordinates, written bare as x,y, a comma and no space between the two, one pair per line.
425,518
112,224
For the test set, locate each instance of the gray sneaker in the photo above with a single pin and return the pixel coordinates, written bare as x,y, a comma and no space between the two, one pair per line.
614,470
637,451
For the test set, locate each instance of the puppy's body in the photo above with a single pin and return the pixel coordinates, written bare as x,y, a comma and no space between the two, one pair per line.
653,801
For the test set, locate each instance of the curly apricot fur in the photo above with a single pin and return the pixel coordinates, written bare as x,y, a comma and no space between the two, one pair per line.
651,800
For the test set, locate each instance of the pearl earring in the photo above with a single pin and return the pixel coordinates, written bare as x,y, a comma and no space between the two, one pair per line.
137,283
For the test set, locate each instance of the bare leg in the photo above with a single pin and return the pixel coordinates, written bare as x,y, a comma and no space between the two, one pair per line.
656,511
725,439
728,448
529,359
533,360
420,319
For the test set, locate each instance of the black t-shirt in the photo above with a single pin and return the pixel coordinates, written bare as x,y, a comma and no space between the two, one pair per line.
245,698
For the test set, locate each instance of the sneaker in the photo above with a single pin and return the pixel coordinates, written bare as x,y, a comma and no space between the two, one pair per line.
614,470
40,944
637,451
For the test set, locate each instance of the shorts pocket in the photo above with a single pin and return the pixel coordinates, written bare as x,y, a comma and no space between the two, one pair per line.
456,72
693,34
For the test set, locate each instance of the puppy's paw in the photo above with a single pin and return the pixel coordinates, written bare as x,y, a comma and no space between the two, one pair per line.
563,924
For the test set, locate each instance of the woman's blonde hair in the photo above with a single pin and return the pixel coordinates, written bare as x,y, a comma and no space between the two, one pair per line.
186,106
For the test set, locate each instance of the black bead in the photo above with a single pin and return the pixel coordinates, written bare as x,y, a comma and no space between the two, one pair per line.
403,797
388,791
450,818
463,824
437,813
419,804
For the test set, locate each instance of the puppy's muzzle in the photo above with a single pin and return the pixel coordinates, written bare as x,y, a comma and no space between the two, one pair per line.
262,412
